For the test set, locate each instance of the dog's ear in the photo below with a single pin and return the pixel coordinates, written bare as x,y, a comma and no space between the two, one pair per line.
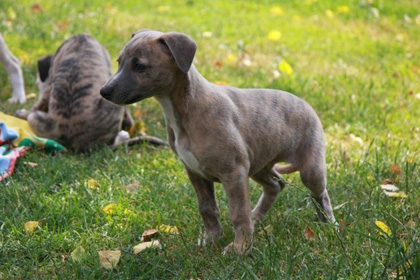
44,65
182,48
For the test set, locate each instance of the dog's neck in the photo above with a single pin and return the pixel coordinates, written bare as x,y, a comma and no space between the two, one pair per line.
178,101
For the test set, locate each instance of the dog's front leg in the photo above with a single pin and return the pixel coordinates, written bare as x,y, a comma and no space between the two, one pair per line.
207,205
236,187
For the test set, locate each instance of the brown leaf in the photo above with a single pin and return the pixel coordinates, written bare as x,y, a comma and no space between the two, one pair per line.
31,164
341,225
36,8
109,259
218,64
144,245
132,187
148,234
396,169
309,233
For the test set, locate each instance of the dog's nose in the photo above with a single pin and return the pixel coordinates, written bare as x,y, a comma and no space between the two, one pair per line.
106,91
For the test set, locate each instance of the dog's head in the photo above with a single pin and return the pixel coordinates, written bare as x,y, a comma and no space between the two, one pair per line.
149,65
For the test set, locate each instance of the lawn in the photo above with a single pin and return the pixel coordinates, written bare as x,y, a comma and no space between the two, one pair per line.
356,62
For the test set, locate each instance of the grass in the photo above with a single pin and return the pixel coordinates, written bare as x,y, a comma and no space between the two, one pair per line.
360,72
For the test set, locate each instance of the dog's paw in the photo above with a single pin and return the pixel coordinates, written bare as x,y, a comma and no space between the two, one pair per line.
238,249
22,114
17,99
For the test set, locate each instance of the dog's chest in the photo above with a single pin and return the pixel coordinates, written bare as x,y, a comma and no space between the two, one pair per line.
186,155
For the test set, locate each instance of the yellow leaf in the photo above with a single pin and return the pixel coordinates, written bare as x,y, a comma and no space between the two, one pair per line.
30,226
396,194
92,184
31,95
231,59
274,35
24,58
329,13
343,9
140,126
297,18
78,254
132,187
148,234
276,10
109,209
109,259
168,229
163,9
221,83
383,227
310,2
144,245
285,67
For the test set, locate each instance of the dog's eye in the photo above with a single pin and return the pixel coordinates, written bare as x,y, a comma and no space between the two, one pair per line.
139,67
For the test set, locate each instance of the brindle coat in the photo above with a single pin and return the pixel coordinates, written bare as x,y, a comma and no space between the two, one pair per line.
224,134
70,109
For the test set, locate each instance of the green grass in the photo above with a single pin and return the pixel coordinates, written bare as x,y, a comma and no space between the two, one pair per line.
359,72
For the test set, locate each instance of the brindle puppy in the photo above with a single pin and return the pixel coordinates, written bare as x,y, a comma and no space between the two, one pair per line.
70,109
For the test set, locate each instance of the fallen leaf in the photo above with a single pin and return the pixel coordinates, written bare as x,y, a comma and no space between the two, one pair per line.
78,254
30,226
148,234
207,34
218,64
144,245
221,83
355,138
109,259
341,225
274,35
31,164
276,10
396,169
339,206
330,14
140,126
63,25
309,233
36,8
417,95
31,95
389,187
285,67
230,59
64,257
168,229
92,184
343,9
109,209
384,228
132,187
396,194
163,9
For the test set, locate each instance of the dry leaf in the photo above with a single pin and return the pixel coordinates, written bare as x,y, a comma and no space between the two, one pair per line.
309,233
341,225
396,194
144,245
30,226
389,187
92,184
78,254
137,113
109,209
132,187
36,8
109,259
207,34
31,164
168,229
148,234
285,67
31,95
230,59
274,35
384,228
396,169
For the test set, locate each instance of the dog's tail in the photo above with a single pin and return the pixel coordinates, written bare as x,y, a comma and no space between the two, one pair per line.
285,169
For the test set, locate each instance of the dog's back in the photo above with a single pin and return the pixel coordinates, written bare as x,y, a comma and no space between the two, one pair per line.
79,68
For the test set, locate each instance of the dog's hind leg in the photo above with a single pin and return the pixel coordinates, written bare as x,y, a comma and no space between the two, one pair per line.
272,183
314,177
12,66
42,124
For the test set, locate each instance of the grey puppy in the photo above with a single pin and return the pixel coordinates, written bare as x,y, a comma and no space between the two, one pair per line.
70,109
224,134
